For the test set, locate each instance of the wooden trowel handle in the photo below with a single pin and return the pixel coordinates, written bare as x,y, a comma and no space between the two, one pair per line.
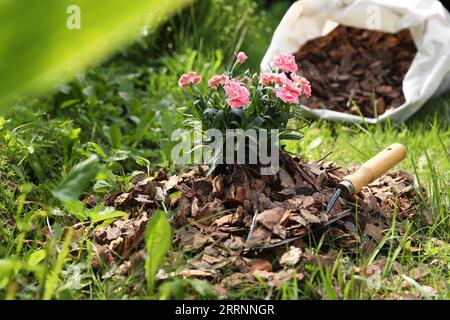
376,166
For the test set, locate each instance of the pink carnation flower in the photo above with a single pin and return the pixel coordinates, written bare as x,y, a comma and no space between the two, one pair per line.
303,84
288,92
186,79
269,78
238,95
241,57
217,81
285,62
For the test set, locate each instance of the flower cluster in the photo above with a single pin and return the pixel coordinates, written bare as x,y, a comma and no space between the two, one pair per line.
238,96
267,97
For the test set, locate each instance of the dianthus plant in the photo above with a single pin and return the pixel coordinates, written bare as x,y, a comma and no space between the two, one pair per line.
238,99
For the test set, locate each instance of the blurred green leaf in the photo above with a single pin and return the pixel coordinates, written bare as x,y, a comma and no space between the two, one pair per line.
158,241
52,278
69,103
8,266
73,184
100,213
102,186
36,257
142,161
76,208
43,42
203,288
315,143
172,290
97,214
115,136
92,146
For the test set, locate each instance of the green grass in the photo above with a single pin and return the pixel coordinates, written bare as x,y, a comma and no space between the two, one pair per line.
123,112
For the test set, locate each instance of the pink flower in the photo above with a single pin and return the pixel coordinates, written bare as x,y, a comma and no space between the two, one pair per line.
238,95
303,84
269,78
241,57
217,81
186,79
285,62
288,92
295,78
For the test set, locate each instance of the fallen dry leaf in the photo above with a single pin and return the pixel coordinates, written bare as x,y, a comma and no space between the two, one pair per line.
269,218
259,265
374,231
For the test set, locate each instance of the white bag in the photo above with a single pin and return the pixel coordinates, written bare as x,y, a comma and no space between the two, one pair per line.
428,21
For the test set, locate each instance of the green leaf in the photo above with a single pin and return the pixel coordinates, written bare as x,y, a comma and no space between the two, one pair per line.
76,208
203,288
115,135
101,186
8,266
69,103
52,278
158,241
172,290
100,213
315,143
175,194
97,214
289,136
36,257
142,161
44,42
92,146
73,184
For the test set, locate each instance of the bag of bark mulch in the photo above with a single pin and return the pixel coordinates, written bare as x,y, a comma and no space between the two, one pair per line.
367,60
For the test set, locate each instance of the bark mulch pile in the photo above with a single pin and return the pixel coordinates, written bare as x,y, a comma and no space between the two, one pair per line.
356,65
213,216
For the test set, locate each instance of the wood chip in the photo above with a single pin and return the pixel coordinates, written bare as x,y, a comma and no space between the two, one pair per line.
352,66
270,218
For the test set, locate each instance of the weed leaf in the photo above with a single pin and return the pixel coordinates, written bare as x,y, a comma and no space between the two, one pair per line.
77,179
158,241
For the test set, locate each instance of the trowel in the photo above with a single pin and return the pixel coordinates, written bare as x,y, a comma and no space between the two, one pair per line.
368,172
352,184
